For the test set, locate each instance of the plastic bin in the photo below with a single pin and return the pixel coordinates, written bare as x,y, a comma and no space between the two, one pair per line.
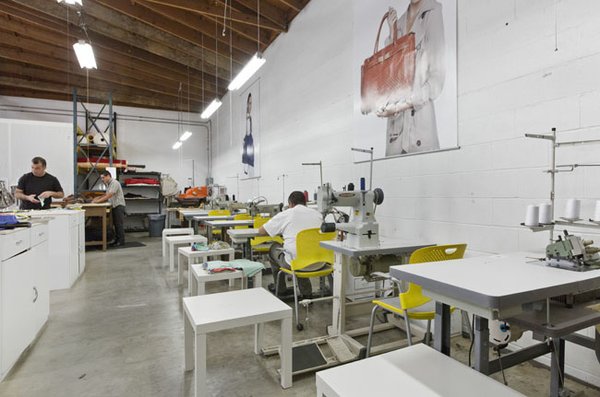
156,224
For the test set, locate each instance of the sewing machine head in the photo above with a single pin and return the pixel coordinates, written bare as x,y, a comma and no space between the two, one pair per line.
362,230
572,253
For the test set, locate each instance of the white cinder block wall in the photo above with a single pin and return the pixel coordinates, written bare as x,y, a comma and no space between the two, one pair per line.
511,80
139,142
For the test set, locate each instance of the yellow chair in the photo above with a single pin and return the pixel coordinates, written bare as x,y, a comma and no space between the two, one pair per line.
242,217
308,252
217,232
412,299
261,244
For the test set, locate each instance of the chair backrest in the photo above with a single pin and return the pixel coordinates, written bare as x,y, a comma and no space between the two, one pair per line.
258,222
218,212
308,249
414,297
242,217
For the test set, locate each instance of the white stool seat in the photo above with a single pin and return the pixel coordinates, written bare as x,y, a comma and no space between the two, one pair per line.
174,232
203,256
418,370
176,241
226,310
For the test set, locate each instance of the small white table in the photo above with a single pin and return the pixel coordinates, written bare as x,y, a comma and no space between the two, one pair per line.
186,231
200,218
199,277
418,370
224,225
202,255
243,237
175,241
226,310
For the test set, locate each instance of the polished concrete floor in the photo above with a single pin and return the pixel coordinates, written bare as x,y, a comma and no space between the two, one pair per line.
119,332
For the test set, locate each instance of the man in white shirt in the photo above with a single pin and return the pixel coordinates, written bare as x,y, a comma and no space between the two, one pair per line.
288,224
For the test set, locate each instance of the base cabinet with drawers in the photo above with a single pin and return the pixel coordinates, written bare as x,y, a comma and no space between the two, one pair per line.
24,293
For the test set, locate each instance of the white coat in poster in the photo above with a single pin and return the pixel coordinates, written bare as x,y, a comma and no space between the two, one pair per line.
420,113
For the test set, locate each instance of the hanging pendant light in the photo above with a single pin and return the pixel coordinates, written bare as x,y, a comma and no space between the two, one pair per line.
85,55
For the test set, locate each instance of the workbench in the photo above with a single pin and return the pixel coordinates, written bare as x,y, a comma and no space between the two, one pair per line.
102,211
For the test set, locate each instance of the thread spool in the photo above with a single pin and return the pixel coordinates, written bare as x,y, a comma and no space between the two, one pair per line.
532,215
545,216
597,211
306,196
573,209
363,183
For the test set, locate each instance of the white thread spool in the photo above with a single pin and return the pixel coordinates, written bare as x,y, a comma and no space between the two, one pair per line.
545,214
573,209
597,211
532,215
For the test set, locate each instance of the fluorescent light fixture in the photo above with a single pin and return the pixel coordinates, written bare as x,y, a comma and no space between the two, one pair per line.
248,71
210,109
185,136
177,145
70,2
85,55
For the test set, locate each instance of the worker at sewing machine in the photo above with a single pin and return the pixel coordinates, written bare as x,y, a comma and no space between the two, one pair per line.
37,188
288,224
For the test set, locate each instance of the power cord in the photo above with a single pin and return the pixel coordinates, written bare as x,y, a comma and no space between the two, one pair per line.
497,349
472,340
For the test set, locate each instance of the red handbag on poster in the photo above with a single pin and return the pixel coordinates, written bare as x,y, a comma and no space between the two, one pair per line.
387,76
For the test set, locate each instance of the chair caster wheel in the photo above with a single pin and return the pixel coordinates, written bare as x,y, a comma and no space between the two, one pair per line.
299,327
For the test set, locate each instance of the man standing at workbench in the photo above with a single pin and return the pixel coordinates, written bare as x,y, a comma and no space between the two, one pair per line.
114,195
37,188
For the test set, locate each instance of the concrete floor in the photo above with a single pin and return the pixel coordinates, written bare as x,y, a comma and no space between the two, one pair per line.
119,332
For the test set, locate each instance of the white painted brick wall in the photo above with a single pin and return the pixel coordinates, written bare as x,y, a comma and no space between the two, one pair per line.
511,81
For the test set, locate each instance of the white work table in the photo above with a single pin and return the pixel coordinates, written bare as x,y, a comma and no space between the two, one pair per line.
481,285
243,236
196,219
226,310
386,246
224,225
415,371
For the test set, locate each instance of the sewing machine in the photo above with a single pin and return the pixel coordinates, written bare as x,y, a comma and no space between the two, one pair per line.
572,253
362,230
255,207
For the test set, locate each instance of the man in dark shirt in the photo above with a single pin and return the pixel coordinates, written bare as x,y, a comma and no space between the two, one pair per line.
37,188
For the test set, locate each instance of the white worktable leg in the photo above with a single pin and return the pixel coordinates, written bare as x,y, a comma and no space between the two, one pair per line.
179,267
201,288
164,247
339,296
190,279
188,333
258,337
171,256
286,353
201,388
232,280
257,283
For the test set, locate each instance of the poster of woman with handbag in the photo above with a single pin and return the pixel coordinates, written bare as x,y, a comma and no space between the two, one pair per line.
400,82
248,143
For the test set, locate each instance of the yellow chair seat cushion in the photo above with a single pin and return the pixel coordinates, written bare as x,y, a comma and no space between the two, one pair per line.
393,305
326,271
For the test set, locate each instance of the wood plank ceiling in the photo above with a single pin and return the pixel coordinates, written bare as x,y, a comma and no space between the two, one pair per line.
163,54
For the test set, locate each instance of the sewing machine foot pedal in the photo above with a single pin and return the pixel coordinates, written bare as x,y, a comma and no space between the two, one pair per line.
307,357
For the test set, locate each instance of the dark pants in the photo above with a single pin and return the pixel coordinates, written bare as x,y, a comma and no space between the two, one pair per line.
118,215
277,259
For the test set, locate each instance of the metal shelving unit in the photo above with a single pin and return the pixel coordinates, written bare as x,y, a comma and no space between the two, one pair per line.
138,208
96,157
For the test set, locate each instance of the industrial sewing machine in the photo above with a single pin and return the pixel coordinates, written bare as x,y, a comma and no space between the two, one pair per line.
362,230
256,207
572,253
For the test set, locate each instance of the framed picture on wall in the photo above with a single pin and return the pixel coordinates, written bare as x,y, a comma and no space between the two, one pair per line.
405,76
250,133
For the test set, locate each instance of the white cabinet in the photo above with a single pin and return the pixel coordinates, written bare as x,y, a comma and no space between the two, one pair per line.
66,258
24,295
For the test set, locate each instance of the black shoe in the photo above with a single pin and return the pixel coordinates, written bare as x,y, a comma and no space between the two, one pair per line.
271,288
117,244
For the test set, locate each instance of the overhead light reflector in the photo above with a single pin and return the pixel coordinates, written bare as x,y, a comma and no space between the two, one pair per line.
70,2
85,55
177,145
185,136
248,71
214,105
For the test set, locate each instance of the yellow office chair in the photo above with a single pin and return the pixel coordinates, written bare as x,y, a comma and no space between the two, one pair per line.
242,217
413,298
261,244
217,232
309,252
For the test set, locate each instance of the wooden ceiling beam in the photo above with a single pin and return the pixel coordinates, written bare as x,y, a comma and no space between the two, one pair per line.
267,11
296,5
203,8
166,22
162,67
156,101
118,65
128,31
57,58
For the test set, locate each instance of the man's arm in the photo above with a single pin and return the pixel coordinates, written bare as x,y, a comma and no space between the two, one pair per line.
262,231
50,193
23,197
102,199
